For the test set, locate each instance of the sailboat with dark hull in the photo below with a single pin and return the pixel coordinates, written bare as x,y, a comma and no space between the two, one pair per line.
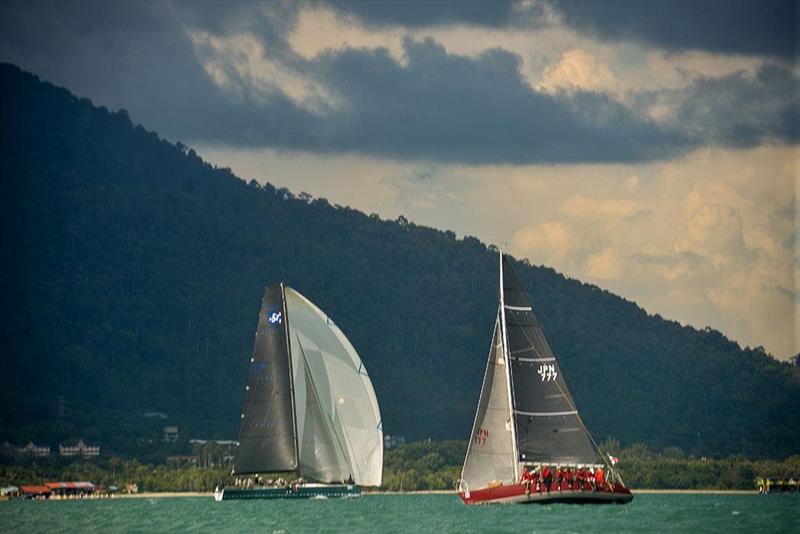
527,421
310,418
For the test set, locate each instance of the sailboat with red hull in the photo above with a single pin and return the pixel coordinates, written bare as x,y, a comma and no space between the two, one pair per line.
527,422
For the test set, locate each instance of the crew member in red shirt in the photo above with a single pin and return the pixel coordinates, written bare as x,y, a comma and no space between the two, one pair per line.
547,477
526,479
581,476
599,478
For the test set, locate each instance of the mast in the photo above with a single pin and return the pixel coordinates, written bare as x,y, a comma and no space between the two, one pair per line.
508,374
291,378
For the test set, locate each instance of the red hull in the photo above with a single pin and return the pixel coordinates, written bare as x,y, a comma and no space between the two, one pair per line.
516,495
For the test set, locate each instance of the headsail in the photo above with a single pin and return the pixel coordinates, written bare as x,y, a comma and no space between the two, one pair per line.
490,453
267,436
337,404
322,455
548,427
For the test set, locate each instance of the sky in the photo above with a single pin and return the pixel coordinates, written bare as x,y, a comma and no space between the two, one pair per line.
650,148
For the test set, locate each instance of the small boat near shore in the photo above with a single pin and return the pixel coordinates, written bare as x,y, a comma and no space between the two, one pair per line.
527,423
310,413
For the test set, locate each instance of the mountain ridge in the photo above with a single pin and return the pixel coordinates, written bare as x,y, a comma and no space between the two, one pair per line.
139,268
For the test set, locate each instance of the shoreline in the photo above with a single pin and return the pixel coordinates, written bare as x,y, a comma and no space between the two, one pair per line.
209,495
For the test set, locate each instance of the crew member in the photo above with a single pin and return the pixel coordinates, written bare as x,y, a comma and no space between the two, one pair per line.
569,476
526,479
547,477
599,478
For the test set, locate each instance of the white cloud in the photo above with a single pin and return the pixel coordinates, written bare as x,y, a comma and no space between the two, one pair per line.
319,29
241,64
605,265
547,243
713,230
583,206
577,69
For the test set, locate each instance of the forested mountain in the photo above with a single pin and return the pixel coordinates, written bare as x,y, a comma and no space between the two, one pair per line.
132,273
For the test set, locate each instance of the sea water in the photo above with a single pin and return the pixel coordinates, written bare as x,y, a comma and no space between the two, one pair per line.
406,513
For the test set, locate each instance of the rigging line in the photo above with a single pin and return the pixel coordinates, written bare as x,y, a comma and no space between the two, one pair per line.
331,429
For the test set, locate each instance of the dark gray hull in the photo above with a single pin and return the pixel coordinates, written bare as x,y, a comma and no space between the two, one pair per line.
301,492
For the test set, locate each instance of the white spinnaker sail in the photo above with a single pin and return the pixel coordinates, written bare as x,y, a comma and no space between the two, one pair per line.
343,397
490,454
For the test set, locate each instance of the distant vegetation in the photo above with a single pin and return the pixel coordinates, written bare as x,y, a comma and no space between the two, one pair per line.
132,274
437,465
411,467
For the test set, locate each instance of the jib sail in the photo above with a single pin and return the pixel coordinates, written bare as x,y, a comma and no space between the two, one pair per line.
490,452
339,422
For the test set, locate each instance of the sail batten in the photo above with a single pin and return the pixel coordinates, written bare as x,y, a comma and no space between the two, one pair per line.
545,414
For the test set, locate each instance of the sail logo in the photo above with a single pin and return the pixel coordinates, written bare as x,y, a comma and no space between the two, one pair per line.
548,372
275,317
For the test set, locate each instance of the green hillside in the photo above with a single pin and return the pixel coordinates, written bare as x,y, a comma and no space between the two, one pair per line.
132,273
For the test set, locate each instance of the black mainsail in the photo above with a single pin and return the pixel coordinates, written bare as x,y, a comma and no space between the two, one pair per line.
268,431
525,414
548,427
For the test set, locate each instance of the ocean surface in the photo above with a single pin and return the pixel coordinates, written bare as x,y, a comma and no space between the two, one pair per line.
406,513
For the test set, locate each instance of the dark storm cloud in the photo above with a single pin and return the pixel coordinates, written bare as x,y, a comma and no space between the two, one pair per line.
425,13
479,110
742,111
434,106
139,56
764,27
